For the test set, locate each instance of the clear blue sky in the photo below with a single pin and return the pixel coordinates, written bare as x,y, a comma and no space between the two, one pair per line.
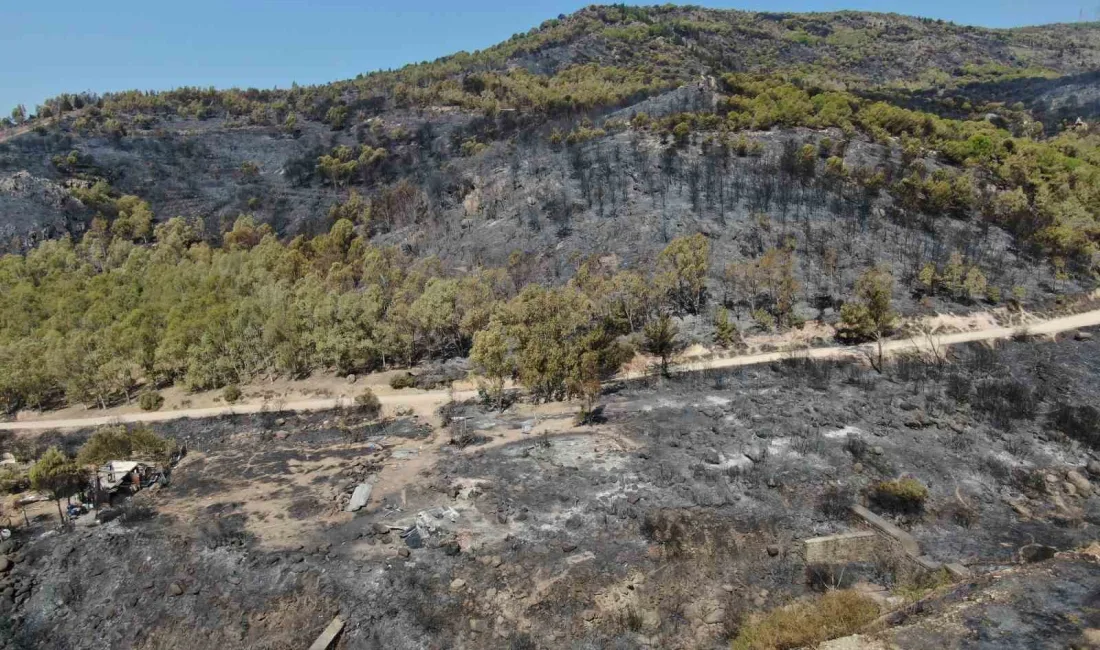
55,46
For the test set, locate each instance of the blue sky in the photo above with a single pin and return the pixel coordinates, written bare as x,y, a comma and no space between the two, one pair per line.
55,46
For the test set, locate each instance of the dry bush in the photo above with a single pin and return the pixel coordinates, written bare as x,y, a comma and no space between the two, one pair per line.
902,496
367,404
807,623
403,380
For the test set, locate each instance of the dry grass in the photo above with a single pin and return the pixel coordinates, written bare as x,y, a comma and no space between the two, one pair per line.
807,623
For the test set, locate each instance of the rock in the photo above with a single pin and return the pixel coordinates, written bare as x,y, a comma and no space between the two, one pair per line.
728,588
711,456
281,435
5,565
478,625
773,482
386,539
1036,553
1069,488
1082,336
451,548
1079,482
412,538
495,561
502,517
568,547
857,468
714,617
877,450
457,583
359,497
773,550
1093,468
352,378
378,528
175,589
404,552
280,422
589,614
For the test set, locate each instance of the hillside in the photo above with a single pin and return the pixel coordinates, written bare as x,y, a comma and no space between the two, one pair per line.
656,327
760,163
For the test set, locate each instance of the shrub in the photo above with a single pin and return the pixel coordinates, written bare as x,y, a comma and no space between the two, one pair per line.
150,401
232,393
368,404
1082,423
808,623
903,495
404,380
856,446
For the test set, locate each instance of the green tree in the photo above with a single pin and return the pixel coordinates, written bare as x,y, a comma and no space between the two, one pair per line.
871,317
56,475
682,272
355,209
19,114
338,166
662,340
139,443
975,285
493,354
725,331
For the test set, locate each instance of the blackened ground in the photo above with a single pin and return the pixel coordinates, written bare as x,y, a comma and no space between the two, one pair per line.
661,527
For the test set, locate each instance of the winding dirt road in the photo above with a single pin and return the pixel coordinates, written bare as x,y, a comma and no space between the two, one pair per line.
430,398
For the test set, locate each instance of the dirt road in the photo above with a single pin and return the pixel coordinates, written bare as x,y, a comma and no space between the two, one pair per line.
920,344
430,398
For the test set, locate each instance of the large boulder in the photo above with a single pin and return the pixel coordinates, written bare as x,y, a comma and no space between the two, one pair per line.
359,497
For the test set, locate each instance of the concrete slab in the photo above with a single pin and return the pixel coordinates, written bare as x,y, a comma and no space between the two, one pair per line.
328,636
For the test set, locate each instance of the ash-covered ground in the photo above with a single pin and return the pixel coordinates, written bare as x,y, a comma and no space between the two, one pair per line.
665,525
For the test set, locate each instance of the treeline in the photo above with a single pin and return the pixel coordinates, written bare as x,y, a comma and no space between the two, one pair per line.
95,321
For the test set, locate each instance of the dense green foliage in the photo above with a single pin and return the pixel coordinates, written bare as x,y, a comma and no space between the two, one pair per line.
120,443
95,321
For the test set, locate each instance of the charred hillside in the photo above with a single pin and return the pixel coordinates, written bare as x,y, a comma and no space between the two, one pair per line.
215,155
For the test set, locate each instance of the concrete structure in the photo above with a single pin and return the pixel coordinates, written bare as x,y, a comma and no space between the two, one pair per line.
858,546
328,636
865,545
